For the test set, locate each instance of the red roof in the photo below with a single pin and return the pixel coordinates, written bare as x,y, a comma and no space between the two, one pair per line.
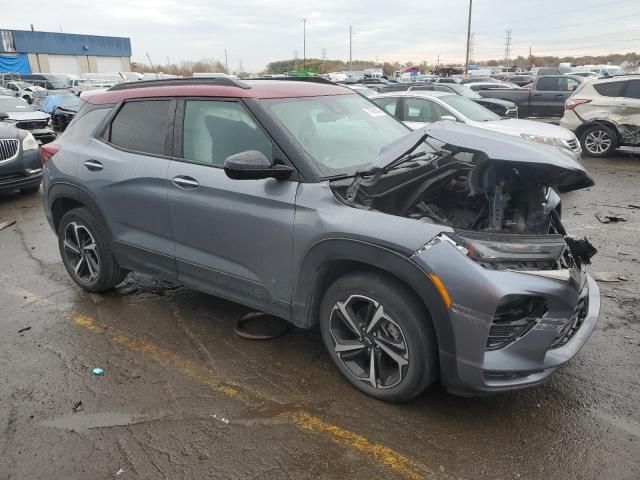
259,89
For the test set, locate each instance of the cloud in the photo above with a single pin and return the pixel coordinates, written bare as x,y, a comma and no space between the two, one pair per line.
258,32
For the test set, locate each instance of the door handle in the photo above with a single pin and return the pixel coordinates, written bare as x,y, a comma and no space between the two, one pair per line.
559,95
187,183
93,165
537,94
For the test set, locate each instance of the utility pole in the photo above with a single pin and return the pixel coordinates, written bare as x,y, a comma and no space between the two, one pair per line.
151,63
226,61
507,45
324,60
438,64
466,62
350,45
471,42
304,44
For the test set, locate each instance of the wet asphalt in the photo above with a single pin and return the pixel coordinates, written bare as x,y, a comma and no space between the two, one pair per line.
182,397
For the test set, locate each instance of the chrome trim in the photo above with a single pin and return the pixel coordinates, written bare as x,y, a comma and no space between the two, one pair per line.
5,149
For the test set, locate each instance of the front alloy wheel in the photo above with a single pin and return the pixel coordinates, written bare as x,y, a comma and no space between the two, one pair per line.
379,335
599,141
81,252
369,343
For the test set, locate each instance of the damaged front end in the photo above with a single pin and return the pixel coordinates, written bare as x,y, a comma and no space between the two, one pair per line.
498,194
519,300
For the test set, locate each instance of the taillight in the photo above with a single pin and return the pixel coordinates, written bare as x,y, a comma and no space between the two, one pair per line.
47,151
572,103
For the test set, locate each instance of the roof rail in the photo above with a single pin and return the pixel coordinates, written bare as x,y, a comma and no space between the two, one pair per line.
175,82
298,79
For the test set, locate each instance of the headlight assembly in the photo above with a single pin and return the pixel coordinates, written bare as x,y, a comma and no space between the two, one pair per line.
556,142
29,142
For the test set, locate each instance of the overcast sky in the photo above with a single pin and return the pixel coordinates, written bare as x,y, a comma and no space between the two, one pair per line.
258,32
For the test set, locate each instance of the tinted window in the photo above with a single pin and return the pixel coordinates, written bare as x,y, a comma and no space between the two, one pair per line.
547,84
610,89
141,126
633,89
215,130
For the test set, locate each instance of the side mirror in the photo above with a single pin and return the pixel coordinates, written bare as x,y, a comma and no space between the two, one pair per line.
254,165
3,116
448,118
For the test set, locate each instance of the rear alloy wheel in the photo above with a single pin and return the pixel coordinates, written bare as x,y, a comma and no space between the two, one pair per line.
86,252
379,336
599,141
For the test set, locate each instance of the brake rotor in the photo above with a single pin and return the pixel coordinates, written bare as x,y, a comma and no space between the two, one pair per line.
261,326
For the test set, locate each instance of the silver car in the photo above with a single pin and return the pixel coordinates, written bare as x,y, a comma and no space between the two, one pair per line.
419,108
437,253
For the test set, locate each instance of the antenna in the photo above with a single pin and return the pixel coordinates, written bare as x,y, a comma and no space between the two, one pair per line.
350,45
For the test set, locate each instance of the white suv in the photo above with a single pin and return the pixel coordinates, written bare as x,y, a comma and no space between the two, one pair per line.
605,114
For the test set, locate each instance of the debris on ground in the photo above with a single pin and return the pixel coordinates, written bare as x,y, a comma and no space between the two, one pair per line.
97,372
608,277
77,406
120,472
4,225
637,207
610,217
24,329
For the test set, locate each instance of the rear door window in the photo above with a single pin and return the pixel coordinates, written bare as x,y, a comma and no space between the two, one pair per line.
547,84
142,126
633,89
422,110
388,104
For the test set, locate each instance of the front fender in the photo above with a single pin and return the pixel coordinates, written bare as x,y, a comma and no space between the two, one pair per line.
309,286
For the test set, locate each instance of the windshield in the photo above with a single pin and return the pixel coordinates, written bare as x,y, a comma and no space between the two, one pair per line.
614,71
464,91
469,108
343,134
12,104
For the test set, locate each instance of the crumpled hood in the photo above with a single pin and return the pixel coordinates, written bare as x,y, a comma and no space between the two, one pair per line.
553,165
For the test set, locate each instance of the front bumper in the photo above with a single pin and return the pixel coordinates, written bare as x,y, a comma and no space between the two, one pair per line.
44,135
476,293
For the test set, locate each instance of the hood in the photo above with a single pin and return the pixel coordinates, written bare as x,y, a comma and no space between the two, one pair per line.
8,131
21,116
555,166
34,88
494,101
516,126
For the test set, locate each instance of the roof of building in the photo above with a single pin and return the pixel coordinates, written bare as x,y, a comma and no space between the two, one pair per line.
214,87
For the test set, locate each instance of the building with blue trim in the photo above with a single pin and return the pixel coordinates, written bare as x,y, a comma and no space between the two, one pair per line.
26,51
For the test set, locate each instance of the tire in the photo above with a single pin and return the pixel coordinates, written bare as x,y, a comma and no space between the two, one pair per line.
30,190
404,322
97,269
27,99
599,141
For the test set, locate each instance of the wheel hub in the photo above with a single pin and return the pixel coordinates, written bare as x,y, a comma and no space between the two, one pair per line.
368,342
81,252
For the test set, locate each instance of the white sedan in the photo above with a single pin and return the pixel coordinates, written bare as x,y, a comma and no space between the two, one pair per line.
419,108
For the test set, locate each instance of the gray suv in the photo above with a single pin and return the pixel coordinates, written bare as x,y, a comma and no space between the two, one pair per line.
424,254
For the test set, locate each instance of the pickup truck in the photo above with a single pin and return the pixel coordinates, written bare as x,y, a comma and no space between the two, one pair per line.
544,98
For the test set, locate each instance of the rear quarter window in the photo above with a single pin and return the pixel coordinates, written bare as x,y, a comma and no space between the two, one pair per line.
610,89
141,126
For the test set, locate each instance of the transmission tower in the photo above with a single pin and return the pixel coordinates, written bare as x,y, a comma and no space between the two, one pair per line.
507,45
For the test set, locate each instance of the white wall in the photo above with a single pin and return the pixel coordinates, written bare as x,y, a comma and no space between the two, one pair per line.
64,64
108,64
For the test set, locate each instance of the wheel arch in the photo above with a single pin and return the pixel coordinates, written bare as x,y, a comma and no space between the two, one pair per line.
595,122
63,197
330,259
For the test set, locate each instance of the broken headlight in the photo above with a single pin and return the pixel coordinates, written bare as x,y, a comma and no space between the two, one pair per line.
495,248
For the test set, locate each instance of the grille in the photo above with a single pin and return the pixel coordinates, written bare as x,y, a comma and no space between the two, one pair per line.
8,149
574,324
573,145
513,320
32,124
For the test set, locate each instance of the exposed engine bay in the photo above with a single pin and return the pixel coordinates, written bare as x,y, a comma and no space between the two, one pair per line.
468,192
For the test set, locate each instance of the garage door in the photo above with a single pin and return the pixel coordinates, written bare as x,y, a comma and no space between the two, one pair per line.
64,64
109,64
